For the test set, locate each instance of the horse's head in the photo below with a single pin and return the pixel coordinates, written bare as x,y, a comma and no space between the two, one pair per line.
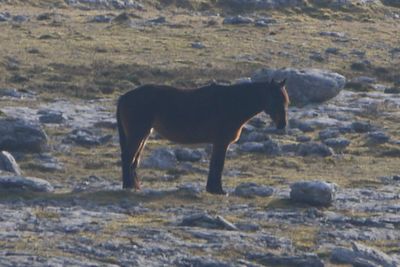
277,103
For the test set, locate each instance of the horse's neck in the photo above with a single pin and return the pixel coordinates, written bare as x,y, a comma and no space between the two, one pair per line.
252,102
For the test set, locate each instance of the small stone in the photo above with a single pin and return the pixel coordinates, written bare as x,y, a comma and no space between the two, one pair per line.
252,147
328,133
20,18
332,50
314,149
303,138
238,20
198,45
313,192
333,34
8,163
85,137
51,116
206,221
4,16
361,126
316,56
101,19
191,155
161,158
378,137
159,20
252,190
338,144
272,148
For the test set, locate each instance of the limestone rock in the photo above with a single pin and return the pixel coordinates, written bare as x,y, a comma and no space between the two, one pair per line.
305,85
21,135
25,183
313,192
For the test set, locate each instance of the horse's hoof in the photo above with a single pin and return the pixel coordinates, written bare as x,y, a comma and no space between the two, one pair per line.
218,191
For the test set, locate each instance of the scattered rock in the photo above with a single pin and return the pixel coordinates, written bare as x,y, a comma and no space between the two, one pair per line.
314,149
332,50
361,126
306,260
303,138
20,135
51,116
161,158
338,144
206,221
238,20
4,16
328,133
316,56
253,190
378,137
100,4
263,4
101,19
252,147
272,148
303,126
264,21
198,45
19,18
158,20
8,163
25,183
333,34
85,137
191,155
307,85
200,262
47,163
313,192
361,255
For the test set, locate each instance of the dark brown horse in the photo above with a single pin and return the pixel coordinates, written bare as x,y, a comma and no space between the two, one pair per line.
212,114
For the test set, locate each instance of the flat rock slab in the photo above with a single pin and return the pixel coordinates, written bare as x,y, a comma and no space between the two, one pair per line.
25,183
361,255
253,190
313,192
305,86
206,221
306,260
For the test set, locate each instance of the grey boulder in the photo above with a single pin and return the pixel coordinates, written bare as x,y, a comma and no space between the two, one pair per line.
21,135
305,86
313,192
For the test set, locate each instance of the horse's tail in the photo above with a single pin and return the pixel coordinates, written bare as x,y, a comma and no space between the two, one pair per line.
121,131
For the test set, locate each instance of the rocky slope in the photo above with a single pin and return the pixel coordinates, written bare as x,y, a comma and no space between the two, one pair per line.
325,193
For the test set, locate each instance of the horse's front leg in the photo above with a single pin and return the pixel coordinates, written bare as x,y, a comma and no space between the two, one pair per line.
214,183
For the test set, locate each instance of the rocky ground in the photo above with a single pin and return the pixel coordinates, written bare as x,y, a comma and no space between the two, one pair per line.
325,193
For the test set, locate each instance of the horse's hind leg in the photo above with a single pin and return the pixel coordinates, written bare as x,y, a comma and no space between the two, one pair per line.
130,156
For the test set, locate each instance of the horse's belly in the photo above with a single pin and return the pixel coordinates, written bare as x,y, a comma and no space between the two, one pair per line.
185,133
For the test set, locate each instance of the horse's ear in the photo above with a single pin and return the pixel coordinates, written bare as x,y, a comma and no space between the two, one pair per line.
282,83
